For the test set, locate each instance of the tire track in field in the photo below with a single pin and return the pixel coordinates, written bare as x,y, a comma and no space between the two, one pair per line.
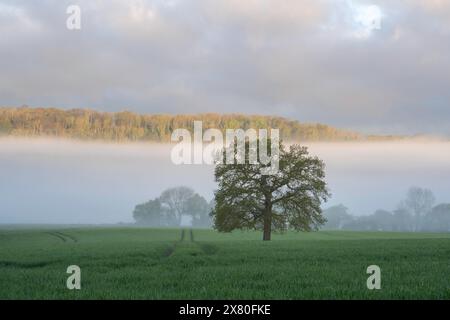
54,234
206,248
27,265
62,236
170,250
74,239
189,241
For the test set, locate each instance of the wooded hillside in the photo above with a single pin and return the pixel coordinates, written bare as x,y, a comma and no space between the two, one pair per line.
128,126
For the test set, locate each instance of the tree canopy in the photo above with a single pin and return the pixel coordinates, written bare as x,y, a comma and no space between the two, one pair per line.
291,197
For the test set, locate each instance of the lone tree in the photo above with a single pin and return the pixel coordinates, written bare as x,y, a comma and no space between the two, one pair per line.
290,197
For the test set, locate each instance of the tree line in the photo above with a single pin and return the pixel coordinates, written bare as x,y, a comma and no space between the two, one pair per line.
417,213
129,126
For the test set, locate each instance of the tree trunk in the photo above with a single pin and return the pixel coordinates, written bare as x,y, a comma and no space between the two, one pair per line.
267,221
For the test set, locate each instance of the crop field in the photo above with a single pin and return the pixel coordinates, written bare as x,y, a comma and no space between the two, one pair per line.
140,263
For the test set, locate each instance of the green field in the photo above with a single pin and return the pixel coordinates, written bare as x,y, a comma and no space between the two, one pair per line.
139,263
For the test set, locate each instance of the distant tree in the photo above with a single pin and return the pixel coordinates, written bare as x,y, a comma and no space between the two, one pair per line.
148,213
153,213
438,219
403,220
382,220
198,208
419,202
175,200
247,199
168,209
337,217
360,223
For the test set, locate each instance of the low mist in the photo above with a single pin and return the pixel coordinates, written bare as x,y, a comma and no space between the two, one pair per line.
70,182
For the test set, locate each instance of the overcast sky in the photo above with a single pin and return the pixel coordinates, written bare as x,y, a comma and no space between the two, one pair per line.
375,66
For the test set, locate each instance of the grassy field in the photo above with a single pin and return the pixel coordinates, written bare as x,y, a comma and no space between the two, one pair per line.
139,263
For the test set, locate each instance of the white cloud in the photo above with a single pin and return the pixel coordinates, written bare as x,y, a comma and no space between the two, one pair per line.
368,19
14,19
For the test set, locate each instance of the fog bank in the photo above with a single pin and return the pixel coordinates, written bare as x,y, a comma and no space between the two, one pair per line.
65,181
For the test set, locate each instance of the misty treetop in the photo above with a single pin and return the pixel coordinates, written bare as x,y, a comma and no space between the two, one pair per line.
168,209
128,126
